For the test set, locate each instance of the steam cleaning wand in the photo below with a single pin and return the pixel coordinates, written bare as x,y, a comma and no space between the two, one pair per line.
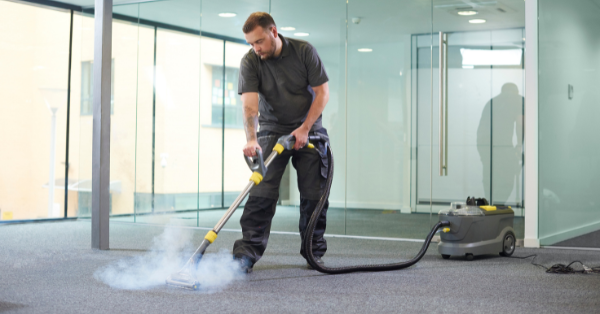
184,278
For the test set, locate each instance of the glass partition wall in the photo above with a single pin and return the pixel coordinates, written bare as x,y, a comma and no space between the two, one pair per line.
380,146
176,117
34,68
176,149
569,103
131,94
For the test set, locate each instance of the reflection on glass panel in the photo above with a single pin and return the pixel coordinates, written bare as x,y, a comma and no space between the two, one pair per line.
468,143
236,172
485,84
144,121
507,114
124,97
211,137
33,84
380,116
225,98
480,143
326,30
176,121
122,166
84,140
165,84
569,106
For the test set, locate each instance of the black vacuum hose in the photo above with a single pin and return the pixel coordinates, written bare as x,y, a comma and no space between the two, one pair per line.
310,229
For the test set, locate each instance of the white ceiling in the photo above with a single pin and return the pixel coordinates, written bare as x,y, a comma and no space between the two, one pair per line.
381,20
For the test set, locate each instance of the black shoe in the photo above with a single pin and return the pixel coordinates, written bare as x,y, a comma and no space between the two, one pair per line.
318,260
245,264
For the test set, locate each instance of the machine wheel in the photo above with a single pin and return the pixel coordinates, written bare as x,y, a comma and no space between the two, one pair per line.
508,244
469,256
445,256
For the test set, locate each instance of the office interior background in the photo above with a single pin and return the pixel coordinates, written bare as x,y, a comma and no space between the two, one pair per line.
176,117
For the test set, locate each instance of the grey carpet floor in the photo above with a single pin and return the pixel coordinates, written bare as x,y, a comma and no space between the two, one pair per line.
49,267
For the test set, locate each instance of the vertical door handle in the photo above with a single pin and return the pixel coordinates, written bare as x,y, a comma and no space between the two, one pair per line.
443,93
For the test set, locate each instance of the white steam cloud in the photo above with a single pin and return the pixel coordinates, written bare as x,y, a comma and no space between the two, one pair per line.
169,252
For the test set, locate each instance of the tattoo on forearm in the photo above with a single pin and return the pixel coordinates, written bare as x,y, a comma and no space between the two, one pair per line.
250,125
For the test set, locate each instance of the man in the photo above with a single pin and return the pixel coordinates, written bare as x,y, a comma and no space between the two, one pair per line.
285,81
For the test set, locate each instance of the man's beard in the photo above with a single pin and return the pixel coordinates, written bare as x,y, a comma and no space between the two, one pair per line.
270,54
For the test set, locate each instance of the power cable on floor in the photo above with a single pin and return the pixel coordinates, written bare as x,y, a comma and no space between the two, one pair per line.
562,268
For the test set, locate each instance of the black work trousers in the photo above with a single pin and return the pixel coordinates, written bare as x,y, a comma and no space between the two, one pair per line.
311,166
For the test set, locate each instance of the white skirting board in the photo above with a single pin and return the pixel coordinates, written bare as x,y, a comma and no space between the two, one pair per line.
357,205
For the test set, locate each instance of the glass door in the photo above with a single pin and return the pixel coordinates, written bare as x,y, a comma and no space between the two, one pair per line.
478,106
381,118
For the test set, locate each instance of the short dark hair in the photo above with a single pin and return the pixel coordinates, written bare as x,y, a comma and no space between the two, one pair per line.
262,19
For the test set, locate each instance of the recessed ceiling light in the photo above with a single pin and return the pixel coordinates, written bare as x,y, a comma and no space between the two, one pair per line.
477,21
287,28
227,14
365,49
470,12
301,34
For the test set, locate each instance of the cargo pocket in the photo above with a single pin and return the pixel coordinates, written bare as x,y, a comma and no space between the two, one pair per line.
324,161
322,149
267,142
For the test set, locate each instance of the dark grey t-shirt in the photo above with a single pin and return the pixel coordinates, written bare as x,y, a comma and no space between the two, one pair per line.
283,85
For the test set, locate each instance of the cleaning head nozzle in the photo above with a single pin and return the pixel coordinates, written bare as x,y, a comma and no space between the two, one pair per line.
183,280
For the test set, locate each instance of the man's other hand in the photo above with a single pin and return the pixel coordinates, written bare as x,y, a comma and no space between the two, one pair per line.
301,135
250,148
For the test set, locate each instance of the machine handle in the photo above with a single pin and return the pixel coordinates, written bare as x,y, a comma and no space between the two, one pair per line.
256,163
314,138
288,141
443,93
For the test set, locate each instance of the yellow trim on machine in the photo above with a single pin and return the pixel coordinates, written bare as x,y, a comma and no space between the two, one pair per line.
211,236
278,148
311,145
488,208
256,177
